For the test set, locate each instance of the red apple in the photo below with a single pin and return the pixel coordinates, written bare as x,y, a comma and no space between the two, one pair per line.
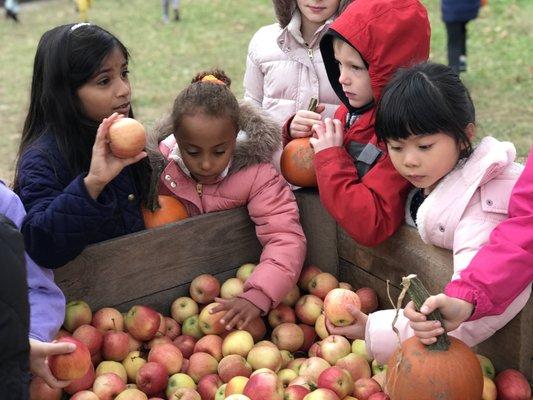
334,347
210,322
292,297
322,283
365,387
108,319
108,386
264,386
127,137
322,394
142,322
168,355
211,344
295,392
39,390
356,365
70,366
308,308
368,298
233,365
512,385
186,345
77,313
282,313
84,395
336,306
208,385
115,346
288,336
257,329
309,337
201,364
313,367
152,378
307,274
83,383
172,328
336,379
90,336
204,288
379,396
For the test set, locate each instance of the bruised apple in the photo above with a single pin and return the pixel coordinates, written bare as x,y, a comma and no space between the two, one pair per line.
127,137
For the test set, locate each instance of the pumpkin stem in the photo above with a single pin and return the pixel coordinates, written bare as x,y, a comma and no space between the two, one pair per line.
419,295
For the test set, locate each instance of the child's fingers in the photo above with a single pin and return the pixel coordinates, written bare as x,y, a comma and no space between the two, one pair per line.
427,329
320,108
428,341
413,315
59,348
309,115
46,374
137,158
228,316
233,322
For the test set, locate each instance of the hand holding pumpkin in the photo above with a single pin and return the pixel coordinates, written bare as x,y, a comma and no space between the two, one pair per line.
239,312
304,120
454,312
354,331
329,134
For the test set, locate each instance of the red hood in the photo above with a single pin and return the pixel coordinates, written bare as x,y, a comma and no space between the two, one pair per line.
388,34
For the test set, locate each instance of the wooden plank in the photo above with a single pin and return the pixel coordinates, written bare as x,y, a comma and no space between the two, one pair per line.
403,254
147,262
320,230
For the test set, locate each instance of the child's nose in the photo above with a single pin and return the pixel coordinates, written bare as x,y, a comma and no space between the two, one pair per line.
123,89
410,160
206,164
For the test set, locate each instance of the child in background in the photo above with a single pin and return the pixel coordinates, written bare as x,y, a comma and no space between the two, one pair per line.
46,301
284,68
75,191
216,156
427,119
175,7
357,182
456,14
501,270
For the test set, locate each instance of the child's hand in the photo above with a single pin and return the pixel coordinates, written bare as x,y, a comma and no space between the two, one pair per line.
354,331
304,120
104,165
329,134
39,351
454,312
239,312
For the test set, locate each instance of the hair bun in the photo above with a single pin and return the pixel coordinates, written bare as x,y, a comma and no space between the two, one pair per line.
215,76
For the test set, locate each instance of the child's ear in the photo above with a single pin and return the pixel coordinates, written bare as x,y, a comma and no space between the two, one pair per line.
470,131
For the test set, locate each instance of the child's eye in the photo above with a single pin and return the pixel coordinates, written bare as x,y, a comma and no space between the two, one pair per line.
125,73
220,152
192,153
103,82
425,146
395,148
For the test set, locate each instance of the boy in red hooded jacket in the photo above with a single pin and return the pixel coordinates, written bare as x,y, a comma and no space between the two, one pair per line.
363,48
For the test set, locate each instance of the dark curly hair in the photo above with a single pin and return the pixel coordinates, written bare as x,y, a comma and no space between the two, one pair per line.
212,97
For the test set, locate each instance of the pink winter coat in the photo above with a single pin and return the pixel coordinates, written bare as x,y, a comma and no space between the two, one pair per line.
459,214
504,267
282,73
252,182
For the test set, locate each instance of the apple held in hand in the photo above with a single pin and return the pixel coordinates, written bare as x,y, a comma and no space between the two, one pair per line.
127,137
336,306
70,366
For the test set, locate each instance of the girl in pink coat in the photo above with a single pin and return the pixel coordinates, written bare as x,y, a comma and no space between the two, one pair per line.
427,119
216,156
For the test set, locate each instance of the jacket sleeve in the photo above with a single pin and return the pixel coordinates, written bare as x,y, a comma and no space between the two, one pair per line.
46,300
273,209
61,220
370,209
253,79
504,267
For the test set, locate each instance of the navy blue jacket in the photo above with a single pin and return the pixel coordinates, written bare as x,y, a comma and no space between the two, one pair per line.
62,218
459,10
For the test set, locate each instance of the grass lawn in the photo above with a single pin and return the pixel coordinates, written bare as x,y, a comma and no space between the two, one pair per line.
216,33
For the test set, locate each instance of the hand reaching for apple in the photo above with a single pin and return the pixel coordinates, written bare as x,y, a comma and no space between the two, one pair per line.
39,351
328,134
239,312
454,312
354,331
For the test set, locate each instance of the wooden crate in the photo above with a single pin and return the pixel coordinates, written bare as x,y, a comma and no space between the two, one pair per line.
154,267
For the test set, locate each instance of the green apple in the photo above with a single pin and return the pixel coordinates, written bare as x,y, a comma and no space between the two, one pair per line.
486,366
377,367
359,347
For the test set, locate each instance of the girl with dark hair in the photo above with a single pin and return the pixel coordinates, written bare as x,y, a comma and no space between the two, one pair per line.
215,155
427,120
73,188
284,67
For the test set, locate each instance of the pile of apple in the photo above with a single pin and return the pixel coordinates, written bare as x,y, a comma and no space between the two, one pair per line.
189,355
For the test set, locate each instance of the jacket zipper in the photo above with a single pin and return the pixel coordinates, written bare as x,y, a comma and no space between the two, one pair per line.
199,189
310,53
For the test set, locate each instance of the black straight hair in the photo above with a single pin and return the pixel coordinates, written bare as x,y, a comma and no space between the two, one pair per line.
67,57
425,99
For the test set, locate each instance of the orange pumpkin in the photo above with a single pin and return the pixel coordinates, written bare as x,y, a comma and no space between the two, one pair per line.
170,210
445,370
297,163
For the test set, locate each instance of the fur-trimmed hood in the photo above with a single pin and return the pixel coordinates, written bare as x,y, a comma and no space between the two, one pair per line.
258,139
285,8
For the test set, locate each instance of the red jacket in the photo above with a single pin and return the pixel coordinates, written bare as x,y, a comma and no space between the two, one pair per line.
503,268
388,34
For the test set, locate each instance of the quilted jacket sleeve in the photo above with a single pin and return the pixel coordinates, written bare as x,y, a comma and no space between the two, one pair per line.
273,209
253,79
61,218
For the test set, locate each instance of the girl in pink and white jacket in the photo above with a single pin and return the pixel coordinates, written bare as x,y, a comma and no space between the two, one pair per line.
216,156
427,119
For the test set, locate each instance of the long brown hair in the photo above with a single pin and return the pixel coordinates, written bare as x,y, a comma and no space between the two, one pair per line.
285,8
